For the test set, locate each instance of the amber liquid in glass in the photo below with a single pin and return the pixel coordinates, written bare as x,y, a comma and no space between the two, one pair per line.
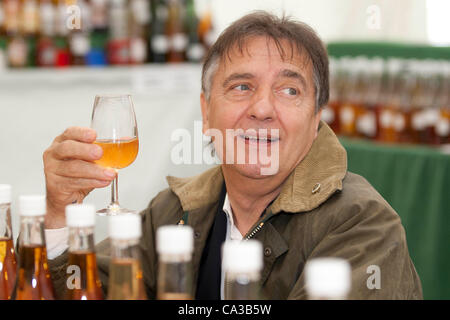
89,286
125,280
34,282
7,268
174,296
118,154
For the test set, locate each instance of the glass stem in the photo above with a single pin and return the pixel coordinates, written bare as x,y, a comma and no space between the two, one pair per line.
115,191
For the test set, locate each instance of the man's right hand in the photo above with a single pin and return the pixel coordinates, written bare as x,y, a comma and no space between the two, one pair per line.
70,173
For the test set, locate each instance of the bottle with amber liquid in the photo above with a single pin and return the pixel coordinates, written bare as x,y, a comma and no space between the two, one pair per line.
33,278
242,262
174,245
176,33
125,271
85,283
7,255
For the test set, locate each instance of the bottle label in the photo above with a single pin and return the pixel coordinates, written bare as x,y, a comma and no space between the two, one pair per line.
442,127
17,53
419,121
160,44
386,119
195,52
327,115
179,42
347,115
367,124
399,122
79,45
138,50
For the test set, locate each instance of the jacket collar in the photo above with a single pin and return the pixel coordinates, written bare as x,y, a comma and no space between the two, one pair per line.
313,181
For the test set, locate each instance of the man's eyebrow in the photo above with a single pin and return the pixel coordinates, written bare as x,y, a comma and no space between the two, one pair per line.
292,74
237,76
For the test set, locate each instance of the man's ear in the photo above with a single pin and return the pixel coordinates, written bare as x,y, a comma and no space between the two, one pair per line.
317,118
205,112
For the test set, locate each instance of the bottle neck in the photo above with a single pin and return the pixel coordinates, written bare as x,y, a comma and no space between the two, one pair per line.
242,285
81,239
125,249
175,279
32,231
5,221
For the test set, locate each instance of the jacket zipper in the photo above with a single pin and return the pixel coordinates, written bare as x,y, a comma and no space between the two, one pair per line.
258,227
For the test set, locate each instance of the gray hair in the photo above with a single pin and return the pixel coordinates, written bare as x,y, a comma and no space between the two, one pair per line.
260,23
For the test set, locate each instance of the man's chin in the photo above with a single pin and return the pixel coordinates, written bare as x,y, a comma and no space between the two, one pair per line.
254,171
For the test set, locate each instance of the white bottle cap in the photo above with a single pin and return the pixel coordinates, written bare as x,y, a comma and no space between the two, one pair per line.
5,193
174,239
80,215
328,278
242,256
125,226
32,205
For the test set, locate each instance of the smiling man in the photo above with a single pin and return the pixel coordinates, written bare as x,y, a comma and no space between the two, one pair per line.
266,79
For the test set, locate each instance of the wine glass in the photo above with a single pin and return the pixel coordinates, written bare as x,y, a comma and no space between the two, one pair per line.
114,120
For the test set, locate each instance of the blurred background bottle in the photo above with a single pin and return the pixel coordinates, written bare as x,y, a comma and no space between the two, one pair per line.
7,256
85,285
33,278
159,41
175,31
125,271
174,245
242,264
327,279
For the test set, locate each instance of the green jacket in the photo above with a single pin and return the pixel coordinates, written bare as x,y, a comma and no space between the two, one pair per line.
322,211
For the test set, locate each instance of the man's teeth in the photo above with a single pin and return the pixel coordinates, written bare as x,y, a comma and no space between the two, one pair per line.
253,138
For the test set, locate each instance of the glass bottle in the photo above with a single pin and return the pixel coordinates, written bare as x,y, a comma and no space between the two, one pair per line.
159,40
242,263
140,18
125,271
195,50
174,245
7,256
327,279
85,283
118,46
33,279
175,31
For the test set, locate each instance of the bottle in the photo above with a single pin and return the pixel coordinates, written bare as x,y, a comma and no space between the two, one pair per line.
140,18
242,263
7,255
125,271
195,50
33,279
159,41
99,15
118,46
46,51
29,17
176,34
327,279
174,245
80,219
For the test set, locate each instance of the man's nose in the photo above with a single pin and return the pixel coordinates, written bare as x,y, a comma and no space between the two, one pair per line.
262,106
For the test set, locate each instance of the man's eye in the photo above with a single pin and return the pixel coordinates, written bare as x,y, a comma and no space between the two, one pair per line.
290,91
242,87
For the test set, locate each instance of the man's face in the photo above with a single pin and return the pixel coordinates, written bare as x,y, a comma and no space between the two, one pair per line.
258,89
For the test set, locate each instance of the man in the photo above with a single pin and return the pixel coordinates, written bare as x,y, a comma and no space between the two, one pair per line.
262,73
